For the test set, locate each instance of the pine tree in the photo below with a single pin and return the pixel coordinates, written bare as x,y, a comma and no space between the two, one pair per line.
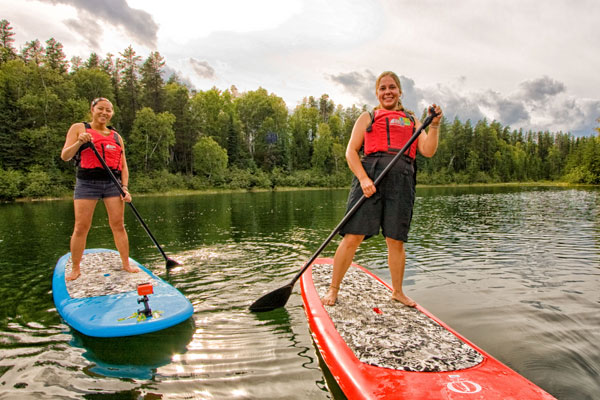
177,102
93,61
129,89
55,57
7,51
76,63
152,83
33,53
12,152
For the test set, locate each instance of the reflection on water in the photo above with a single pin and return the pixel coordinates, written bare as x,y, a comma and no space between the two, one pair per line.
135,357
515,270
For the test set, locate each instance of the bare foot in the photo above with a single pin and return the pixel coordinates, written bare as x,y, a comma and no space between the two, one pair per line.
75,272
331,296
131,269
404,299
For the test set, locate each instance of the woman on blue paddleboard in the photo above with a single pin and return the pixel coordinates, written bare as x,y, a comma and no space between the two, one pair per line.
93,182
389,206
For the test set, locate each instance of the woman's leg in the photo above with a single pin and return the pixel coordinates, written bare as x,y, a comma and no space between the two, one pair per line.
115,207
396,262
341,262
84,211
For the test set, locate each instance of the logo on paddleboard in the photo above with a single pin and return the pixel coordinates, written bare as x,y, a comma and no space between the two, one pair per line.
142,317
459,385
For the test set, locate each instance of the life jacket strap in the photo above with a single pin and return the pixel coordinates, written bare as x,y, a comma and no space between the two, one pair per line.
77,157
387,127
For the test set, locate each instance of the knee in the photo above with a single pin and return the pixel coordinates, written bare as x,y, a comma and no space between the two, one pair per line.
395,244
81,228
352,241
117,226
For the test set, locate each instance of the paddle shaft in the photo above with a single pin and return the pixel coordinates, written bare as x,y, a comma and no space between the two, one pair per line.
114,179
363,198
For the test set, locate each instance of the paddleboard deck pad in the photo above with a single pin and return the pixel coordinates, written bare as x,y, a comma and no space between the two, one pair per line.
378,348
104,300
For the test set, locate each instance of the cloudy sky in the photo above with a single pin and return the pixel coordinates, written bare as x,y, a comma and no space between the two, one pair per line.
528,64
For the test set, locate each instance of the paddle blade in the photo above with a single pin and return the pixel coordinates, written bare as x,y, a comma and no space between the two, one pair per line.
275,299
172,263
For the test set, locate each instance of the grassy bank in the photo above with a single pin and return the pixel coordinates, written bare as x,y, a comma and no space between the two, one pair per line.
214,190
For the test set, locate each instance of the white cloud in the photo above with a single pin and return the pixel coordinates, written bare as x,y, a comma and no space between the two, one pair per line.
540,90
514,62
137,23
361,84
183,21
202,69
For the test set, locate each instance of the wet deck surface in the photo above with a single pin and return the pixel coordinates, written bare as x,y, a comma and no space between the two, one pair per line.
102,274
396,337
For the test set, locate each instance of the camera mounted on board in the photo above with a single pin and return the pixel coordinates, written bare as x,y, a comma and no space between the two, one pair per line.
144,289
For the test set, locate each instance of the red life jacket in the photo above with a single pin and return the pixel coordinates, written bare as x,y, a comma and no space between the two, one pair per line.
108,146
389,131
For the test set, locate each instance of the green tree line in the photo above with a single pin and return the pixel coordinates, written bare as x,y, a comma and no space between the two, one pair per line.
180,138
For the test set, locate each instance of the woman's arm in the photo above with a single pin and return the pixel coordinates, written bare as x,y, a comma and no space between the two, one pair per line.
76,137
124,173
428,141
352,154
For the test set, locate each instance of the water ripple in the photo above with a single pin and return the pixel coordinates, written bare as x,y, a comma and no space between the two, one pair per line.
515,270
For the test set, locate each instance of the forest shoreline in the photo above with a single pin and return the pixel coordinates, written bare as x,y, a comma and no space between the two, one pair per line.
189,192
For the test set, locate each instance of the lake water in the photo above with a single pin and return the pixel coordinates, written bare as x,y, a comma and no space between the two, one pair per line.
516,271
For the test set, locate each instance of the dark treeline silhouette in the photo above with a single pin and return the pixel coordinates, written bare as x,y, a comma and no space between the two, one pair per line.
180,138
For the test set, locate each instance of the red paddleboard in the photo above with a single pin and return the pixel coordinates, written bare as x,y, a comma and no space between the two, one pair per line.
377,348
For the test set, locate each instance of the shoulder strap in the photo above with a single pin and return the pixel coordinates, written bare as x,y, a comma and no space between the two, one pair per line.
412,119
113,130
372,114
77,157
370,127
115,135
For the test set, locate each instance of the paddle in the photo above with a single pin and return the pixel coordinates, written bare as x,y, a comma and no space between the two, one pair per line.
279,297
170,262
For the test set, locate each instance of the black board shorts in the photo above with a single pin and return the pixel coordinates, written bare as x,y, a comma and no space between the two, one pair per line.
390,208
94,189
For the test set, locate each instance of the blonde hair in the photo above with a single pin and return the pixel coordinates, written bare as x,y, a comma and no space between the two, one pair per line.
396,79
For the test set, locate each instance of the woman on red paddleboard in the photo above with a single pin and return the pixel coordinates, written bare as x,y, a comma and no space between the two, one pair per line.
388,207
93,182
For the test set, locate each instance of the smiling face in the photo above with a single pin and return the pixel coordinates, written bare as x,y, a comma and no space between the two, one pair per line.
388,92
102,111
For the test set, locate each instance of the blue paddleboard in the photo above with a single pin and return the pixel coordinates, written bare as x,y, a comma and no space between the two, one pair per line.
103,301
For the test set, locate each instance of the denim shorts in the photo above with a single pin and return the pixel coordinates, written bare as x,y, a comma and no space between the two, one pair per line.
94,189
390,208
